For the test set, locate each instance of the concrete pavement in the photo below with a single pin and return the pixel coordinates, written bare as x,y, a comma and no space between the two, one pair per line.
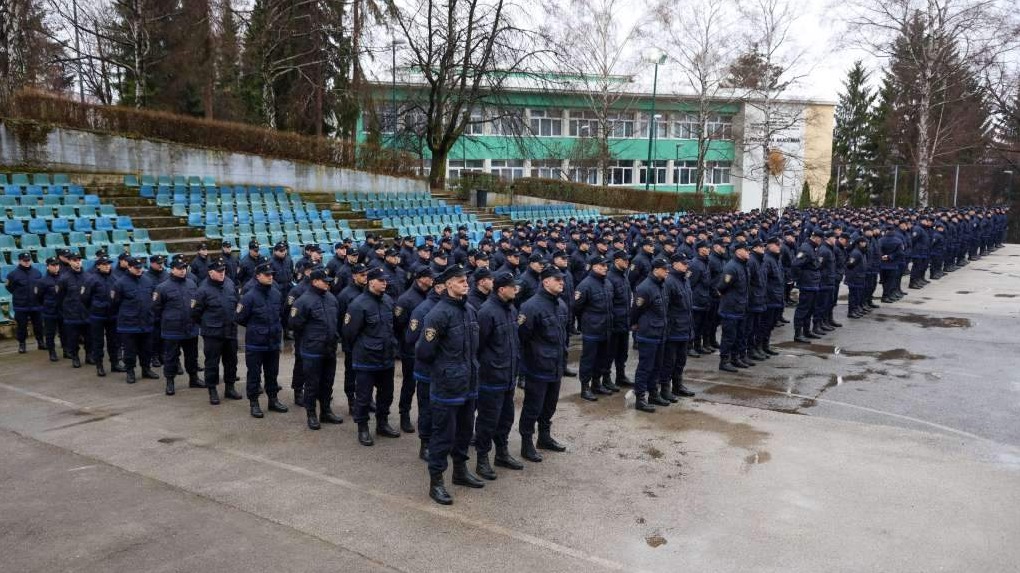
890,445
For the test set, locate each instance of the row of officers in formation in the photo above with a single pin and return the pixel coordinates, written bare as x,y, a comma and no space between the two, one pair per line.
471,325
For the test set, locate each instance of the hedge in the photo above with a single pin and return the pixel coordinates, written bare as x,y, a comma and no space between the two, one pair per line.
624,198
51,109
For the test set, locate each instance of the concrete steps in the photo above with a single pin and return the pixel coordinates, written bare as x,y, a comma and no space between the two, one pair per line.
159,221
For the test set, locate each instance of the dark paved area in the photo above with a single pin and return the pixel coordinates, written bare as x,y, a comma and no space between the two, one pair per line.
891,445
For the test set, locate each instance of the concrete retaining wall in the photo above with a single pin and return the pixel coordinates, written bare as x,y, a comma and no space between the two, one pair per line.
72,150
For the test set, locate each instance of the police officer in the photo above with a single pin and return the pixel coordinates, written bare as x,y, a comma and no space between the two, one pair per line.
102,319
498,363
593,306
807,267
856,265
368,331
775,294
46,291
530,279
422,376
132,298
157,273
542,331
679,329
890,251
756,308
648,322
734,289
214,310
356,286
314,319
482,289
72,310
248,264
171,308
302,271
229,263
620,337
200,264
402,311
448,348
259,313
21,284
701,289
396,282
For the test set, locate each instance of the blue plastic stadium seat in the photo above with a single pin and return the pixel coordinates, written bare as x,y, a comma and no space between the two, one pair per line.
92,200
130,181
38,226
195,220
14,227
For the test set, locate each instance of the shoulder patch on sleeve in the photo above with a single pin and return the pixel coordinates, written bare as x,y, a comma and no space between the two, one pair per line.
577,295
640,301
239,308
82,290
430,334
398,310
521,319
155,296
293,312
800,255
193,303
414,324
347,318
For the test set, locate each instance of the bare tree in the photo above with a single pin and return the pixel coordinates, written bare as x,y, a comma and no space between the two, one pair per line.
701,47
466,51
596,53
770,64
28,56
961,38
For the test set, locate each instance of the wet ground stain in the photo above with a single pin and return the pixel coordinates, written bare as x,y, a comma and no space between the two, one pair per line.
825,350
653,452
655,541
81,413
930,321
964,292
1005,296
170,440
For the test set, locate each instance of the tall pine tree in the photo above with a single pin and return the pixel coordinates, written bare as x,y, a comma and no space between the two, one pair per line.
854,138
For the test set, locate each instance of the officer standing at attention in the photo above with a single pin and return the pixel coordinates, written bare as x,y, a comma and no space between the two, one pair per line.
214,310
200,264
619,341
402,311
734,289
679,329
72,309
448,348
368,330
593,306
21,284
359,279
648,321
172,310
46,290
132,297
227,258
314,319
251,261
542,331
157,274
102,319
807,268
422,377
259,313
498,362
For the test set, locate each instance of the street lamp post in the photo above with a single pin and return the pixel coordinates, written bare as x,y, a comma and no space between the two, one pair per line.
661,59
393,91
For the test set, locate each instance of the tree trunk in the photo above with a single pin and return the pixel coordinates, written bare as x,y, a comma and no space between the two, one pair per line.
268,102
437,175
923,144
765,177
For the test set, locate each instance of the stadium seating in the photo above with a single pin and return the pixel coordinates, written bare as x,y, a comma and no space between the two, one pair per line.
546,212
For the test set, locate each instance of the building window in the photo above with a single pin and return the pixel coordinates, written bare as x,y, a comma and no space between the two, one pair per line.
508,123
476,123
621,172
685,126
658,173
662,126
621,124
589,175
719,127
546,122
685,172
547,168
583,124
718,172
457,167
508,169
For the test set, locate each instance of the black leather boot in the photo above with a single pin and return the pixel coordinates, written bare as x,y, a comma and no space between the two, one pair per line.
53,356
503,459
607,383
482,468
275,405
100,371
130,377
738,361
692,352
622,380
598,388
254,408
423,451
680,390
230,393
118,366
75,361
170,386
818,330
21,348
437,489
725,365
567,371
364,436
384,429
463,476
547,442
654,398
767,349
148,373
641,404
299,397
586,393
666,393
313,418
757,355
835,324
214,396
528,450
195,382
405,423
